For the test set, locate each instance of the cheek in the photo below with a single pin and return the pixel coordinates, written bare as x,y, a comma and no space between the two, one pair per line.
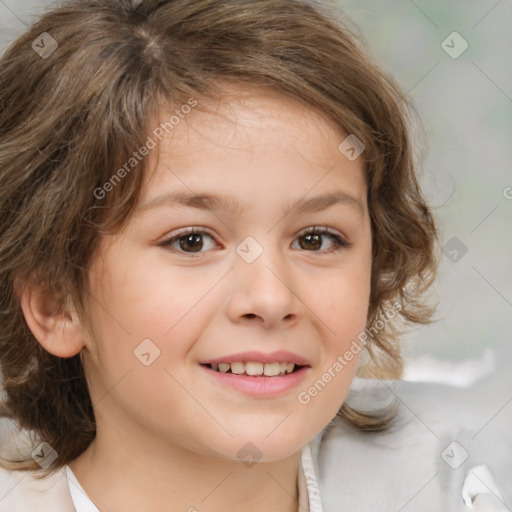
149,300
342,309
145,336
342,302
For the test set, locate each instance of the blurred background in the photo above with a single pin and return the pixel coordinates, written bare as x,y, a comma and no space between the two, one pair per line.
454,60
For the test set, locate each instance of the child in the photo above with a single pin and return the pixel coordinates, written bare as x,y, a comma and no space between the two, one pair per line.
210,224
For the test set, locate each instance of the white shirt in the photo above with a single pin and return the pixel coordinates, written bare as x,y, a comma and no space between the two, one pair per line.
308,498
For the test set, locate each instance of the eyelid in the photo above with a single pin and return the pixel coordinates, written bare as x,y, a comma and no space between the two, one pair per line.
321,229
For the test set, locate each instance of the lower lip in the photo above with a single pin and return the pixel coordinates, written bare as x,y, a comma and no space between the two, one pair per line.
260,386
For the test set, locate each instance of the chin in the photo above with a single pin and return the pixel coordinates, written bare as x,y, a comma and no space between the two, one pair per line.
262,447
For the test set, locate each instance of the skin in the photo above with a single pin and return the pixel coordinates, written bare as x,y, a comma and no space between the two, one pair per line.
167,434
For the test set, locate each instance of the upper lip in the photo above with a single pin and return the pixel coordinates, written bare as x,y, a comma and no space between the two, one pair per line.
280,356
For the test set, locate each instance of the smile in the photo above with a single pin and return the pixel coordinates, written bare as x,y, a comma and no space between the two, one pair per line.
258,384
254,368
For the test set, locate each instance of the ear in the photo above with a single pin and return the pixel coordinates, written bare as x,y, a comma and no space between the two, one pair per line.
57,330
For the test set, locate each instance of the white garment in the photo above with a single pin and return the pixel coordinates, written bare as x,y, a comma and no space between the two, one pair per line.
309,494
80,499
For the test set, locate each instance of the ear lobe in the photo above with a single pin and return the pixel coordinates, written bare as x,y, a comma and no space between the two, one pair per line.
56,329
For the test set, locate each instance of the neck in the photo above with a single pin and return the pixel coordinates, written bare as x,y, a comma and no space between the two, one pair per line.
120,473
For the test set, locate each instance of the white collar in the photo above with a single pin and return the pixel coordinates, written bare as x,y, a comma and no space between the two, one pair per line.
309,493
80,499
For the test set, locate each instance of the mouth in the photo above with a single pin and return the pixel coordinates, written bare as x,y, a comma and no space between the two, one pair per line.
256,369
257,379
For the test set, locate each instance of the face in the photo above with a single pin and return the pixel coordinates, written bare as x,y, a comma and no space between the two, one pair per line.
167,302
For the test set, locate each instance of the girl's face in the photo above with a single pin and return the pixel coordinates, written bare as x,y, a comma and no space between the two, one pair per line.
164,303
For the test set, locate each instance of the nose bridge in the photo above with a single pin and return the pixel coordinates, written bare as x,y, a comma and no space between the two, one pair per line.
262,280
261,255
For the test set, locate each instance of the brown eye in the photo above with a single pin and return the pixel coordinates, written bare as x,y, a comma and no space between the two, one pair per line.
192,242
313,240
189,242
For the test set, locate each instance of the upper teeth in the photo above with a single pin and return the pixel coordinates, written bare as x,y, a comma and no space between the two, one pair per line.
255,368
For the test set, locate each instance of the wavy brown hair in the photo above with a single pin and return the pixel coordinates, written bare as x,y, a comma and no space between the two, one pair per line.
70,118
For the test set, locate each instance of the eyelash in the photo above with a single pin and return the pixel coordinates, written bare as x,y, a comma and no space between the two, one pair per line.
339,242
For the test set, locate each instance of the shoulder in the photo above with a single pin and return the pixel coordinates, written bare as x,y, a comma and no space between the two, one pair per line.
21,491
424,462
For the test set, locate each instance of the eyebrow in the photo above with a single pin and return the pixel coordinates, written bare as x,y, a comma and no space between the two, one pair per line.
230,204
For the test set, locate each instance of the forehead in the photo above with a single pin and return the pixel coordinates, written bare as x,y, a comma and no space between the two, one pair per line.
252,138
251,118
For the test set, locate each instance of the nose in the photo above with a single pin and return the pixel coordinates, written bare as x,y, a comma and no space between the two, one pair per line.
264,291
